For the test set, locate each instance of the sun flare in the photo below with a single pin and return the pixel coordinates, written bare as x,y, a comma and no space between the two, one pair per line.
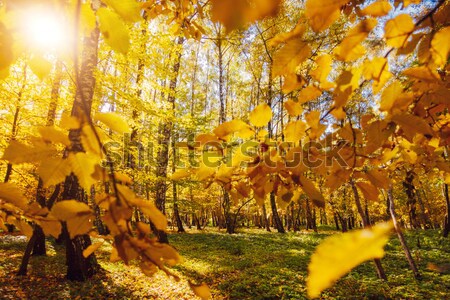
45,29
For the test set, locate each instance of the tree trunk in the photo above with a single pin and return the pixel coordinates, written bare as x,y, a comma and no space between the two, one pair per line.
366,224
276,218
166,128
405,248
80,268
411,194
447,217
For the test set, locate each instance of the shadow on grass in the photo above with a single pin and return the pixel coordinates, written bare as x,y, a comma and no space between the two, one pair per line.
46,276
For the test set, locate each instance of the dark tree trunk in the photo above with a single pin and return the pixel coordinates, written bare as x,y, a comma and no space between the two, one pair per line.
410,191
447,217
80,268
165,133
405,248
276,218
366,224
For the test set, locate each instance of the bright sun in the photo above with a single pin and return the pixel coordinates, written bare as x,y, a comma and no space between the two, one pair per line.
45,29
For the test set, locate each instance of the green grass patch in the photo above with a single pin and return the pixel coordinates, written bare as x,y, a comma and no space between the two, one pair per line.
253,264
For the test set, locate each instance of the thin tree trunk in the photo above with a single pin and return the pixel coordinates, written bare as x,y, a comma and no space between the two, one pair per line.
405,248
447,217
266,221
366,224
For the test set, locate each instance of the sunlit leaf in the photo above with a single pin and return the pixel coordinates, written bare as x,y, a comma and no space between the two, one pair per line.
228,128
40,67
440,46
129,10
293,108
377,9
180,174
398,29
91,249
369,191
287,59
322,14
11,194
338,254
201,291
54,170
83,166
350,49
114,30
18,153
294,131
312,192
113,121
261,115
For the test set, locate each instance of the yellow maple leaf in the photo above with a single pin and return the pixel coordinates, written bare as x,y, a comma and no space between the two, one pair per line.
338,254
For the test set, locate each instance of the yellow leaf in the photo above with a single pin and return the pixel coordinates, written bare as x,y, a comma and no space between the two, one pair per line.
309,93
224,130
11,194
374,69
422,73
113,121
261,115
54,170
322,14
83,166
440,46
40,67
201,291
6,47
204,172
369,191
293,108
236,14
180,174
88,19
323,69
389,96
287,59
69,209
152,212
378,178
338,254
406,3
312,192
350,49
294,131
286,36
292,82
377,9
18,153
411,125
51,226
397,30
53,135
129,10
91,249
68,122
114,30
25,228
77,215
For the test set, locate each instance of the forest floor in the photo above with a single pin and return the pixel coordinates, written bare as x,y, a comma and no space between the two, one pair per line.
252,264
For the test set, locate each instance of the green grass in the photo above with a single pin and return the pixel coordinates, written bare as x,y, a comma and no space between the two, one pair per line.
253,264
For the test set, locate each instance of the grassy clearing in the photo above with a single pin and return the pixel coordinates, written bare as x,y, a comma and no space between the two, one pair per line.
249,265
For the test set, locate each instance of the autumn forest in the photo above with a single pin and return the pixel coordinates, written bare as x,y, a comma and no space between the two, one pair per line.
224,149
